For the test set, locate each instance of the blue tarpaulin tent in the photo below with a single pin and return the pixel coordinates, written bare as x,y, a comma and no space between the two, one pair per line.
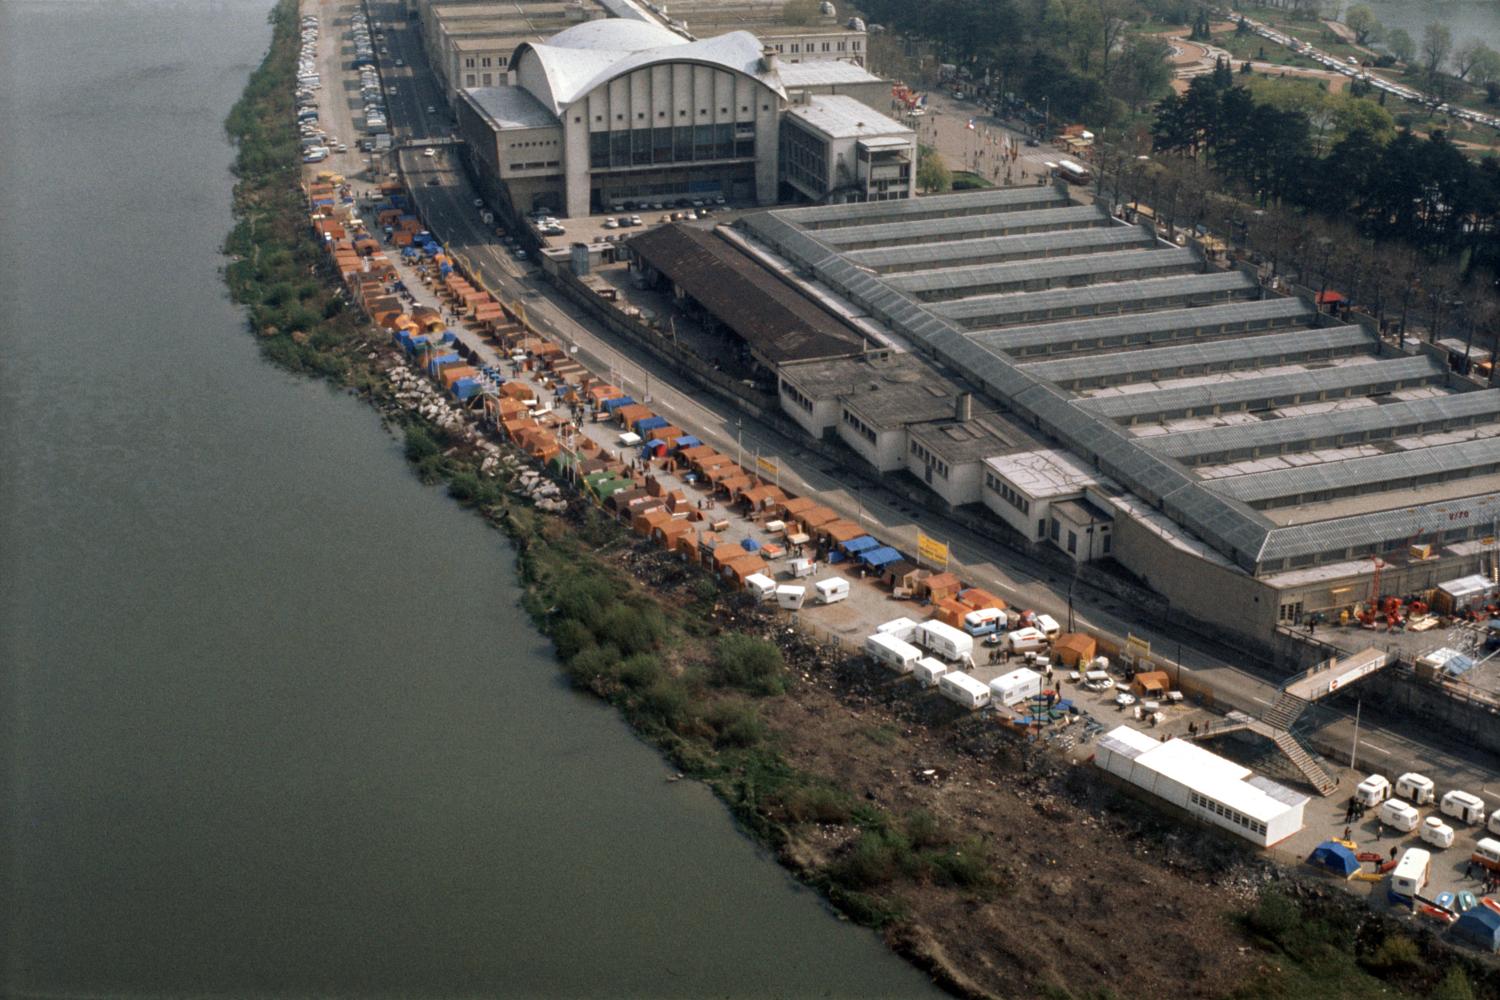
650,424
686,441
439,361
611,405
1335,857
1480,926
750,545
650,447
863,543
880,557
464,388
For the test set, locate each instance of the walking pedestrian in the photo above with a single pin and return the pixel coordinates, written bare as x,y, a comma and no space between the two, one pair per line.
1346,833
1468,869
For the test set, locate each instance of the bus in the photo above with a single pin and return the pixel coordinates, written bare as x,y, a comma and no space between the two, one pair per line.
1072,172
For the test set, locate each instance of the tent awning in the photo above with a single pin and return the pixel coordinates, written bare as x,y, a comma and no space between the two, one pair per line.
863,543
880,556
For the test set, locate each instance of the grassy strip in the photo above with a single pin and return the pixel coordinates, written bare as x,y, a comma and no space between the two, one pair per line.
685,680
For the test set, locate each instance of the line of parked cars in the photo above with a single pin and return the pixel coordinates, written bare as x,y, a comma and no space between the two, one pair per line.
376,122
316,144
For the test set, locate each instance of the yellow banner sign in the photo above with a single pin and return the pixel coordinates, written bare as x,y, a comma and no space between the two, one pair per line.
766,465
1137,650
931,550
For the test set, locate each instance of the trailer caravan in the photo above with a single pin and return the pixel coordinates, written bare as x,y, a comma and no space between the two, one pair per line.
985,621
1487,854
832,590
1016,686
1399,815
902,628
1025,640
760,586
929,671
1047,625
790,598
959,687
1417,789
1436,832
945,640
1410,876
895,653
1463,806
1373,790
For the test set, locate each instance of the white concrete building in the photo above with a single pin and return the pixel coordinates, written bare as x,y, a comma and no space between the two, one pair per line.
835,148
1028,489
1205,785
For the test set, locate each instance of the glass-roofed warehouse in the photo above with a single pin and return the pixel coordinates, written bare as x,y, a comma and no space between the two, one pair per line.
1248,456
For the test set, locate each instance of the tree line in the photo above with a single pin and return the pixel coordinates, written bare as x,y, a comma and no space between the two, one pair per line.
1076,58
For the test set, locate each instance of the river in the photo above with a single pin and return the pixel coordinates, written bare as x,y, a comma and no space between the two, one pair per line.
272,723
1467,19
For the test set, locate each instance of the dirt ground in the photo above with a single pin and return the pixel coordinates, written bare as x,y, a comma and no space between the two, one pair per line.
1095,891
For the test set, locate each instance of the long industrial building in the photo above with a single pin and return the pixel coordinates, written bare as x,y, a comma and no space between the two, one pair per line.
1250,458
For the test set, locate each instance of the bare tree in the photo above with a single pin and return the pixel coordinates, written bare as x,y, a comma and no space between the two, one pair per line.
1437,42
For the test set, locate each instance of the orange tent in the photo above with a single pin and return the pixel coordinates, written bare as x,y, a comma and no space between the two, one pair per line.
741,568
725,553
941,585
977,597
841,531
950,612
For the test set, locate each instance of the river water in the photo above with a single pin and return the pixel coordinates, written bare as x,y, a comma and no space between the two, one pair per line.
1467,19
272,723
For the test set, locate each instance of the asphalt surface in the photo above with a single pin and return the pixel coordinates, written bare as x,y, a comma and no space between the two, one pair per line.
450,211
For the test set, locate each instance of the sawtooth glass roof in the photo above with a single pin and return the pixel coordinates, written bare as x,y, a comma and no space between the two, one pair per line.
906,209
940,230
953,282
1330,430
1271,390
1218,355
1135,295
1140,329
1381,472
996,249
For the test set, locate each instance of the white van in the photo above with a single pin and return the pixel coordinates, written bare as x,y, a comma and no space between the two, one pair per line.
945,640
958,686
1025,640
1436,832
1417,789
832,590
1487,854
1373,790
1463,806
1400,815
895,653
902,628
1015,687
929,671
1410,876
760,586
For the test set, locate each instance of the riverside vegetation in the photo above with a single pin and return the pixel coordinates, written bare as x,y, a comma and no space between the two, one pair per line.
811,754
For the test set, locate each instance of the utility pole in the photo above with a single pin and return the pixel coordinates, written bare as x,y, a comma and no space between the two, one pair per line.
1354,746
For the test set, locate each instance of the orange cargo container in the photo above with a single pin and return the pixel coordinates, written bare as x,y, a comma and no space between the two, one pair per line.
452,373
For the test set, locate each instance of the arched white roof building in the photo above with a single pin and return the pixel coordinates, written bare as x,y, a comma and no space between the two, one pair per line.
615,112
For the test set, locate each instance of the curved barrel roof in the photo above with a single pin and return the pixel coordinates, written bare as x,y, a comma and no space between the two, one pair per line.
585,56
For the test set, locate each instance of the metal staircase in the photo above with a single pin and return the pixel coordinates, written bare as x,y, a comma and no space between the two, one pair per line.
1285,712
1310,768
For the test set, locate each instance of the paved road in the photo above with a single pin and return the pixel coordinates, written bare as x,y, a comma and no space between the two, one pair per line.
449,210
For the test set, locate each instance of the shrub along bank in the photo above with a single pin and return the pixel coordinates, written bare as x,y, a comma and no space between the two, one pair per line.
698,673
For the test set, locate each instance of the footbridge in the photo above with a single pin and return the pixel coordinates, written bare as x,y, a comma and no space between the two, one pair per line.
1292,699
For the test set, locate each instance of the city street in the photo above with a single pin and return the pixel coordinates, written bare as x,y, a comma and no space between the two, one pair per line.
449,210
